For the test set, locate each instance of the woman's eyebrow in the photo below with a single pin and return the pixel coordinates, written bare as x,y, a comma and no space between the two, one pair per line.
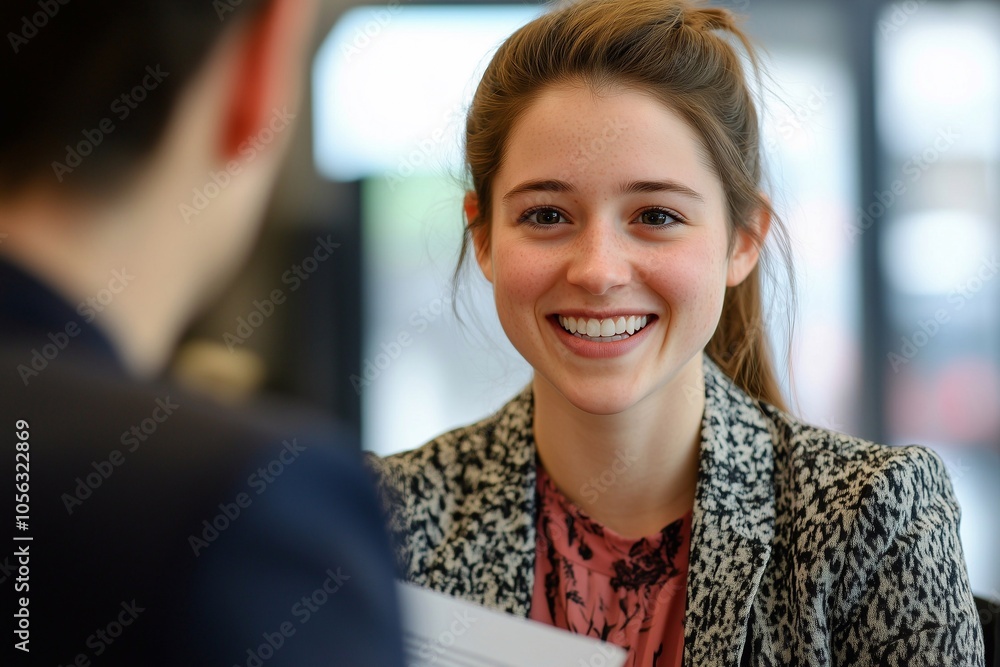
632,187
549,185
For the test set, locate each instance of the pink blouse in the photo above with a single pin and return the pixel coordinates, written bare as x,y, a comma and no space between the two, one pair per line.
592,581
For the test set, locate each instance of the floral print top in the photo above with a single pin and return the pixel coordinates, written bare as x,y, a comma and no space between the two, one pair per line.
594,582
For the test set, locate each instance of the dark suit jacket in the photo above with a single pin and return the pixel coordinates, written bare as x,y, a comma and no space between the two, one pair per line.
167,529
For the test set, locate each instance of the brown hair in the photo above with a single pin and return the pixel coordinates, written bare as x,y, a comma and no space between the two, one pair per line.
671,49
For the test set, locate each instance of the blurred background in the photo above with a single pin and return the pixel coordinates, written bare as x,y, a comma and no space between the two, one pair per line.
882,135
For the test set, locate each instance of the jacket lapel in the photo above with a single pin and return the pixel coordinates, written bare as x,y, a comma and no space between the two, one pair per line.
733,523
500,555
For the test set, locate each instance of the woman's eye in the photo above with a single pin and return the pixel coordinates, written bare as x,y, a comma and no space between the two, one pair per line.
544,217
656,217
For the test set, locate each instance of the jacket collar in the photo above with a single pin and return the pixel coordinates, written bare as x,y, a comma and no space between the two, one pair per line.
33,317
733,517
733,522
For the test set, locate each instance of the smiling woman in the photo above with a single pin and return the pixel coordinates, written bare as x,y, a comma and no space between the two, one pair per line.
648,488
639,233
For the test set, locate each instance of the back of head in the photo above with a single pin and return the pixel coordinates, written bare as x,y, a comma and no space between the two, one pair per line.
93,83
132,118
676,51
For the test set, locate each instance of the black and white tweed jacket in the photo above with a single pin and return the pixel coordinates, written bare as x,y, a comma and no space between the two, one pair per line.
826,549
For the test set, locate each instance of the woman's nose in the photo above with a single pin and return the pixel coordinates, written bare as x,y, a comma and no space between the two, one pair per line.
599,259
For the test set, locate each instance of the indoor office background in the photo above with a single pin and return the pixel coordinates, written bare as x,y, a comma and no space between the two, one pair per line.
882,133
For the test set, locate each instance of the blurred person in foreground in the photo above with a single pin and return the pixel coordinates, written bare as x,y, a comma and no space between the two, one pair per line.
147,526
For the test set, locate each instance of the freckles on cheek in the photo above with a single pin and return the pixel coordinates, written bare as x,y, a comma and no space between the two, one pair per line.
520,274
693,286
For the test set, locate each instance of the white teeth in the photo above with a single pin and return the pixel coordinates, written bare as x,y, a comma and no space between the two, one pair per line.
606,328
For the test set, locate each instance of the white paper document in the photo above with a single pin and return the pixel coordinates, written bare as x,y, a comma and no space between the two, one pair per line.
442,631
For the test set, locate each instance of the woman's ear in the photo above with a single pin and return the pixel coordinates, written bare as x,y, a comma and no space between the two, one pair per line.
746,249
480,235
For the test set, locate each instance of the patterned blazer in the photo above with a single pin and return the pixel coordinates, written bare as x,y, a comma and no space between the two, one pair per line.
808,547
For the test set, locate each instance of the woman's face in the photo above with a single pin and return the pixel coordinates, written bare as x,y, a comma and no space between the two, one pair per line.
608,249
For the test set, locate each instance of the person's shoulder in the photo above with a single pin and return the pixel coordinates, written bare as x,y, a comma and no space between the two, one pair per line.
874,527
429,492
802,441
437,454
847,473
461,453
250,504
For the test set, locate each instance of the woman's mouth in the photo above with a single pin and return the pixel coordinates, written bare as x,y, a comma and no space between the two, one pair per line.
606,330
